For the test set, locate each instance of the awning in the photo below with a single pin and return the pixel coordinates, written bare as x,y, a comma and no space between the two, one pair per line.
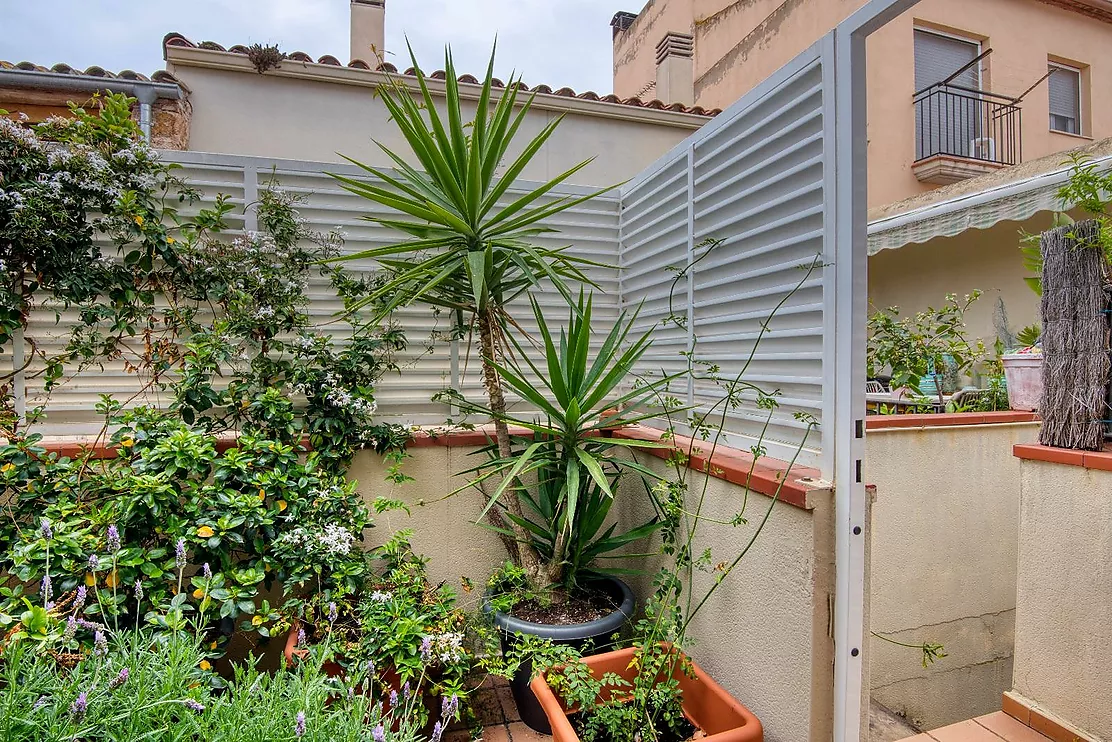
1015,199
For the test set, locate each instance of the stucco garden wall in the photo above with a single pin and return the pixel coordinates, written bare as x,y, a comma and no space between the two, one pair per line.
765,634
944,548
1063,628
280,114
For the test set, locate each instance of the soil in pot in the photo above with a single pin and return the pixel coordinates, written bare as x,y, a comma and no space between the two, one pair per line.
679,731
610,600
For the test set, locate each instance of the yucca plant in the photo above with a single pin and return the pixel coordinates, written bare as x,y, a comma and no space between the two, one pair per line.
572,466
471,246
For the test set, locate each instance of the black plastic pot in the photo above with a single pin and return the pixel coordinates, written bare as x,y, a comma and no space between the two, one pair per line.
576,635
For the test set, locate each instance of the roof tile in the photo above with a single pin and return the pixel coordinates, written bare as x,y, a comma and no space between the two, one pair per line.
176,39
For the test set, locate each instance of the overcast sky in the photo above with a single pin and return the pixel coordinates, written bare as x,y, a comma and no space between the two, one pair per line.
558,42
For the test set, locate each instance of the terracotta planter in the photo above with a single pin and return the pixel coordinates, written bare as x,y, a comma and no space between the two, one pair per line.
706,704
1023,372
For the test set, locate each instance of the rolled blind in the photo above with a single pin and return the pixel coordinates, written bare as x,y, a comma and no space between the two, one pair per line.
937,57
1065,100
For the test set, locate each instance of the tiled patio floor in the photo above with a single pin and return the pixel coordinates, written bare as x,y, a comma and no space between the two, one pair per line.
495,711
989,728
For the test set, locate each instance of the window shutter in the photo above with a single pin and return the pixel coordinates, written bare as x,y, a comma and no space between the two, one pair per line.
1065,100
937,57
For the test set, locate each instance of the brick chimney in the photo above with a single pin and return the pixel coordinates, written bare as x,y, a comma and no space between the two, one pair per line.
368,30
675,68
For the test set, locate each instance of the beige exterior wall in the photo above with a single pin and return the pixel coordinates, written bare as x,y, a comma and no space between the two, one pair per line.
916,276
764,636
944,547
738,44
317,113
635,53
1063,628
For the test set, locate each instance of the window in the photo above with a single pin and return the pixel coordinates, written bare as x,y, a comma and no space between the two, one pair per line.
947,119
1065,99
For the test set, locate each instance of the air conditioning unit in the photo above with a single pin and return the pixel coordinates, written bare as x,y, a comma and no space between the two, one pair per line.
983,148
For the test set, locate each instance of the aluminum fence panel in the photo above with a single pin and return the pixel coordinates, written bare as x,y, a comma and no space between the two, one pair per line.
743,202
431,364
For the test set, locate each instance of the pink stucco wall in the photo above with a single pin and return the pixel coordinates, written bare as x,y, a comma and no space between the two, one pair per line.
740,43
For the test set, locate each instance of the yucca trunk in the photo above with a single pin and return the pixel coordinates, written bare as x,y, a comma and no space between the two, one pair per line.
519,545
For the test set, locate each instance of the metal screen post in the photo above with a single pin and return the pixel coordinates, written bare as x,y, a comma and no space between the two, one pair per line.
851,302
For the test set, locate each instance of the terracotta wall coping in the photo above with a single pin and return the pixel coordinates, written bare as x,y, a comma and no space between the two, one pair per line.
736,466
1088,459
730,464
888,422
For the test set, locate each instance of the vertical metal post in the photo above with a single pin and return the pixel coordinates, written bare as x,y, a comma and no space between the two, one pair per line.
250,196
690,271
19,381
851,302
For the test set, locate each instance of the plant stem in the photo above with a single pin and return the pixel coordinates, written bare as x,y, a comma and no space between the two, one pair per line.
519,544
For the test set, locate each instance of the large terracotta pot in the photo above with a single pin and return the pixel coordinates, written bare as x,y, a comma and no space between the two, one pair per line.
706,704
1023,372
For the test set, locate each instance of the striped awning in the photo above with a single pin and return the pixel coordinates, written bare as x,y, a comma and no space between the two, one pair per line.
1016,200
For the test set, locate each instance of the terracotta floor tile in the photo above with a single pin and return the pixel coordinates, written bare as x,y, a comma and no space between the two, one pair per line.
497,733
964,731
1009,728
487,707
519,732
509,707
918,738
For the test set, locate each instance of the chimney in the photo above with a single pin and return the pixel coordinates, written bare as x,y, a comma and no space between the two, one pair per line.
675,69
368,31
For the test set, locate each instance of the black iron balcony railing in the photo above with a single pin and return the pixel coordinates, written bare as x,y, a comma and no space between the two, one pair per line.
964,122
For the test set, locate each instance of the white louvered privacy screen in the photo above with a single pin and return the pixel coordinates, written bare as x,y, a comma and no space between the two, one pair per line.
754,182
753,179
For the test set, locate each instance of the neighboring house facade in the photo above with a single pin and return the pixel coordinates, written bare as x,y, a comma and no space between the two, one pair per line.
34,93
957,88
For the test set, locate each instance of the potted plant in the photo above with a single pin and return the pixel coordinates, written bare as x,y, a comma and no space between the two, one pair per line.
1023,370
406,634
652,690
566,474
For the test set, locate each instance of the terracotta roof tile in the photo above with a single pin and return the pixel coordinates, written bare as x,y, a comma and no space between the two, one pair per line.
239,49
176,39
161,76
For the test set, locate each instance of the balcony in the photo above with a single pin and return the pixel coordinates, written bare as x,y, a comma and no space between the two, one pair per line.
962,132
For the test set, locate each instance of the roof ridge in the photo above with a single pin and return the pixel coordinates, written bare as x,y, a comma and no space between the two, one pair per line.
174,39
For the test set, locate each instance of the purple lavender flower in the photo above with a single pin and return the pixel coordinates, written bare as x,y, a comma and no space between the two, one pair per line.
94,563
300,637
393,699
47,592
43,701
79,706
378,734
451,706
120,679
100,644
437,731
179,554
206,570
79,599
426,648
139,591
194,706
71,629
405,690
333,612
90,625
299,727
45,530
370,668
113,539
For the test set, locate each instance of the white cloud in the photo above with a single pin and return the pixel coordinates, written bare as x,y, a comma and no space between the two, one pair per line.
558,42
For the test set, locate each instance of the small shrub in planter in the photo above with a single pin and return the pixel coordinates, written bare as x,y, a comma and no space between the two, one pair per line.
408,634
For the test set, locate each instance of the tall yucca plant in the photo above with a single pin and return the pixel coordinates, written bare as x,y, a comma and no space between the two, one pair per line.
471,248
